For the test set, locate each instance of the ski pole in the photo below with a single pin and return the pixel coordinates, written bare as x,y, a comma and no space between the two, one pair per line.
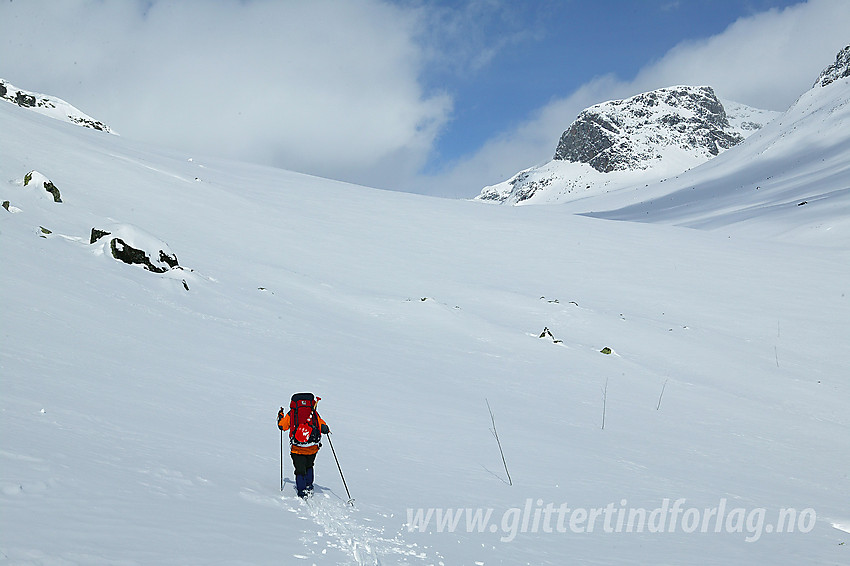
281,459
350,500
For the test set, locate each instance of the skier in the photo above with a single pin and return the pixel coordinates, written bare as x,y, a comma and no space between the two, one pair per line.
305,428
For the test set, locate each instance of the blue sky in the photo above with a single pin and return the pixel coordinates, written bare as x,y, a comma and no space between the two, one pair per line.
553,47
440,98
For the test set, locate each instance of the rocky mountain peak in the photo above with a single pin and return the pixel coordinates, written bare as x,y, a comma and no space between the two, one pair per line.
633,142
625,134
838,70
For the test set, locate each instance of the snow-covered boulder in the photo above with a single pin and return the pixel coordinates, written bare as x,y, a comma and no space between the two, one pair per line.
134,246
36,179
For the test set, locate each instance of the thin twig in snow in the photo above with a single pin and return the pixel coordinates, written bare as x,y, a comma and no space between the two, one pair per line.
496,434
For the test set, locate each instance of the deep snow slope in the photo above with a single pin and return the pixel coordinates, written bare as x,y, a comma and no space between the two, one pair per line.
138,416
789,180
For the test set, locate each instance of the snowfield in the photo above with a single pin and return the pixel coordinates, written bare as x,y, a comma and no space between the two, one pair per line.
790,180
138,409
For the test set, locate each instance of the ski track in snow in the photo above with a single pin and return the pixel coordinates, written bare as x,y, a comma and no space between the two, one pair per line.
342,530
336,528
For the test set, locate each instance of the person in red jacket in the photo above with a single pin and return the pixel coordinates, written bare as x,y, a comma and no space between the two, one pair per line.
305,428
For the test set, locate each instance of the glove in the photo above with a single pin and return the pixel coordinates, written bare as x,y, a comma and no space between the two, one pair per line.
325,429
280,415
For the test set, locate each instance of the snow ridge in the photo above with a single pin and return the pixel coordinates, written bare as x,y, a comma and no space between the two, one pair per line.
50,106
838,70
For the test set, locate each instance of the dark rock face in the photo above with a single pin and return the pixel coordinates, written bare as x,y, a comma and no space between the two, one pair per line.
51,188
86,123
25,100
128,254
625,134
587,140
97,234
169,260
838,70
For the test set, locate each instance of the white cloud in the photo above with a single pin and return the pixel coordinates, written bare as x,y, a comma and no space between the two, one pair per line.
766,60
466,37
335,88
531,143
323,87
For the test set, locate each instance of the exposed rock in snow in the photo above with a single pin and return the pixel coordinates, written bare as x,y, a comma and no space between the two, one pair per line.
38,180
131,245
838,70
49,106
627,134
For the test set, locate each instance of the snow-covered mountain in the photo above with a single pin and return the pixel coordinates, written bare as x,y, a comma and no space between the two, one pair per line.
631,134
838,70
49,106
790,179
638,140
159,308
